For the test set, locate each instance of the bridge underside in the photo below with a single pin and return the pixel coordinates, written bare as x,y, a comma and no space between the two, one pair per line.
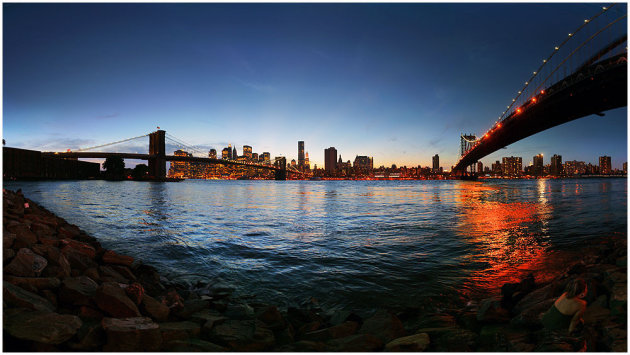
590,95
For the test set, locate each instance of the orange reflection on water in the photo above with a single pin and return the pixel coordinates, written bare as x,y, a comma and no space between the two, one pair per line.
501,236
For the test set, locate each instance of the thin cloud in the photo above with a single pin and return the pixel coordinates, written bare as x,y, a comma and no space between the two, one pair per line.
264,88
112,115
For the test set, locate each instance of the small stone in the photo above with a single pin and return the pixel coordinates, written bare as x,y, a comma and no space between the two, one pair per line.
18,297
154,309
415,343
26,264
111,298
125,272
40,326
131,334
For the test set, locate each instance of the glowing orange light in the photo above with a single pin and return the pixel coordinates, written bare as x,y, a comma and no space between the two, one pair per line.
499,125
542,91
486,135
534,99
518,110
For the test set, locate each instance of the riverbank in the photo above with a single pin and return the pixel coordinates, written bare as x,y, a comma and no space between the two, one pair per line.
64,292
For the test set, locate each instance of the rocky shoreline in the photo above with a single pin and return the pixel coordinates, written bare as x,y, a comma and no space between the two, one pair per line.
64,292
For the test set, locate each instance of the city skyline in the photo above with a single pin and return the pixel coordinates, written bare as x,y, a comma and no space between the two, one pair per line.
401,84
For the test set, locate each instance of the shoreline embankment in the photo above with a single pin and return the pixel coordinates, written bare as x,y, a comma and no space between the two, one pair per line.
64,292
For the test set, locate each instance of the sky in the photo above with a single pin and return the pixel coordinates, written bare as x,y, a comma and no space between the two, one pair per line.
397,82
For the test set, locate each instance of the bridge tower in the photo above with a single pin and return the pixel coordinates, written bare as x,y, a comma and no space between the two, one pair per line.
467,141
157,153
281,164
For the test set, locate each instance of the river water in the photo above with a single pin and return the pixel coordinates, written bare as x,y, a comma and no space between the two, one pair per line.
357,244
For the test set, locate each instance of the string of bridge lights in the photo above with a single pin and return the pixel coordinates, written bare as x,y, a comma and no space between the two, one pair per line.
556,49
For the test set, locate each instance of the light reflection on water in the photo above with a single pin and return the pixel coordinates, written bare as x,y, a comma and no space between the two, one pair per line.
350,243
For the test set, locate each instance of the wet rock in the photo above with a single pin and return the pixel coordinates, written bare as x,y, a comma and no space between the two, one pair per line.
154,308
383,325
110,257
131,334
68,231
179,330
240,311
285,336
90,337
303,346
531,317
615,337
271,317
78,291
50,296
459,340
415,343
193,345
111,298
149,278
92,273
24,237
40,326
543,294
18,297
7,256
38,283
622,261
243,335
135,292
338,331
26,264
491,311
125,272
356,343
42,231
191,307
58,265
79,255
618,299
108,274
207,315
518,340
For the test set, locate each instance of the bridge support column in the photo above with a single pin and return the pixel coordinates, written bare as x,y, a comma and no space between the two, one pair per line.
157,153
281,173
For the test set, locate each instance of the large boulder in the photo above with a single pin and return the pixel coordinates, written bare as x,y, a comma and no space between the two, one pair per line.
40,326
491,311
26,264
154,308
356,343
111,298
37,283
77,291
80,255
172,331
110,257
384,326
18,297
415,343
58,264
24,237
131,334
243,335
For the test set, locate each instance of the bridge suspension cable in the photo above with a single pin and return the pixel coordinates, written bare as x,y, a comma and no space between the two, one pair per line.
112,143
183,144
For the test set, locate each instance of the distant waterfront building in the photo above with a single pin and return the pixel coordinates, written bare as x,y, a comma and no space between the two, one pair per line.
255,157
212,154
300,161
537,168
604,165
226,153
307,163
363,162
179,169
330,160
293,163
266,157
496,168
556,165
512,166
230,155
574,167
625,167
247,152
479,167
234,154
436,163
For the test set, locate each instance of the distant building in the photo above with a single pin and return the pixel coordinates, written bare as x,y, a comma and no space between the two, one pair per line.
212,154
604,165
247,152
537,168
625,167
496,168
234,154
230,155
300,161
330,160
512,166
266,157
479,167
307,163
255,157
556,165
362,162
574,167
293,163
226,153
436,163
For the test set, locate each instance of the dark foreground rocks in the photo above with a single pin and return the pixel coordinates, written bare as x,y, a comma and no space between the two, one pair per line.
63,292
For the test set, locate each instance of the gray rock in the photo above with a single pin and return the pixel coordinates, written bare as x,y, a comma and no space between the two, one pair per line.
415,343
40,326
26,264
131,334
383,325
18,297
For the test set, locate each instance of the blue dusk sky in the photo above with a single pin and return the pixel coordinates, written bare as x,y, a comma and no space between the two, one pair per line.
398,82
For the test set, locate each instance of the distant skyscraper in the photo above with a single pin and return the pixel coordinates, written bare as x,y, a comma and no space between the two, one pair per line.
300,161
479,167
226,153
266,157
625,167
230,152
247,152
604,165
330,160
363,162
436,163
307,163
538,165
255,157
512,166
496,168
234,154
556,165
212,154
